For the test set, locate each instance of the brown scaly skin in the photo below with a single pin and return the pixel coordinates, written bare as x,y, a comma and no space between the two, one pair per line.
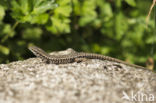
64,59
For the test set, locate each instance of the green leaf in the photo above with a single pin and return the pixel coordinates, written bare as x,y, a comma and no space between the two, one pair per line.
2,12
105,50
32,33
4,50
59,26
6,31
63,10
76,7
120,26
150,40
32,10
88,13
96,47
60,19
131,2
5,3
106,12
40,19
42,7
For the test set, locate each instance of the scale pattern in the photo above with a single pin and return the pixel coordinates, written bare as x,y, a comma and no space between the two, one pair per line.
69,58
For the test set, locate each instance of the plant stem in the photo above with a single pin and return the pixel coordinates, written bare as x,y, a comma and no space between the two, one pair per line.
15,25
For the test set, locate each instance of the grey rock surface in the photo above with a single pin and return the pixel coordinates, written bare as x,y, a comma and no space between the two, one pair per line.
93,81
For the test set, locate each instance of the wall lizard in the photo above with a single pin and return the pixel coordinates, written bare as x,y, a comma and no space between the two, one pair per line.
74,57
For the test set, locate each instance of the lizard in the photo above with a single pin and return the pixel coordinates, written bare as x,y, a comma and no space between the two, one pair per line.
74,56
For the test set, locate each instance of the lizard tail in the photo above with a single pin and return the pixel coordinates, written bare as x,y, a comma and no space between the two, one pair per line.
102,57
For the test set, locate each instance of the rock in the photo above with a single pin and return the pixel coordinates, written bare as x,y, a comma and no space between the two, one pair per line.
93,81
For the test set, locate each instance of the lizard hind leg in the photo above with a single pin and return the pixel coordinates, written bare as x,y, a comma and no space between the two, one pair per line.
45,61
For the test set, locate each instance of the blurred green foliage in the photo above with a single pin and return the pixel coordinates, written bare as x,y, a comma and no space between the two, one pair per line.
115,28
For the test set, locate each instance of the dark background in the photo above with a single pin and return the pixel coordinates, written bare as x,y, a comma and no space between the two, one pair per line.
115,28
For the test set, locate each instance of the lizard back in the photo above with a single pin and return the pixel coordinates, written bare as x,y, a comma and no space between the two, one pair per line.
69,58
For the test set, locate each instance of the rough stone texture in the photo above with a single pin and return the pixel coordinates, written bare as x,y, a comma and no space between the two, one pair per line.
93,81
